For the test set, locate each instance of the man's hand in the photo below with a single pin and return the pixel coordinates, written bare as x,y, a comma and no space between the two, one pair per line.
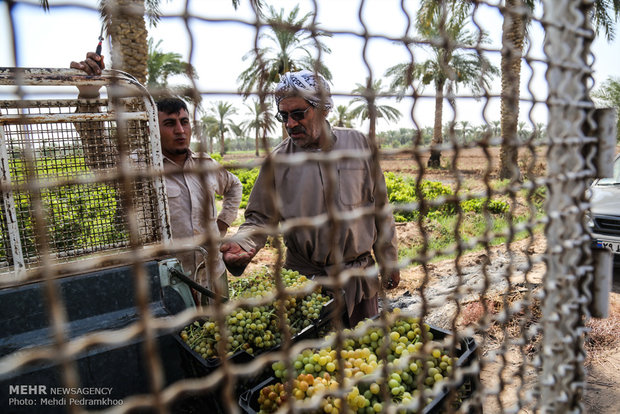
222,227
234,255
92,65
391,281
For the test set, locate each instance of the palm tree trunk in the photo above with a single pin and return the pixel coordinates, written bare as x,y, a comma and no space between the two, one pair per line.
256,141
222,147
513,34
434,160
128,32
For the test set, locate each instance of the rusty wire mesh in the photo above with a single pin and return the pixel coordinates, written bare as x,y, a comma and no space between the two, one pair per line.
491,306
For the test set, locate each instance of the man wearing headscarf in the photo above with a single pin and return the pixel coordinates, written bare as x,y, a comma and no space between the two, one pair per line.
350,185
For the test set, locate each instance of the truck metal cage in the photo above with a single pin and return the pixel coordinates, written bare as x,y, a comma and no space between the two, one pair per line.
82,168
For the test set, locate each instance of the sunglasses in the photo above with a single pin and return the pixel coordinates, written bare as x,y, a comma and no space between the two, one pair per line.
297,115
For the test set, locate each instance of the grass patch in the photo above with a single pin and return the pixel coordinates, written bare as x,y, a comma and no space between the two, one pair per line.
441,234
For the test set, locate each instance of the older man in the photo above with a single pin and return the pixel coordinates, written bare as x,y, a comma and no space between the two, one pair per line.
303,100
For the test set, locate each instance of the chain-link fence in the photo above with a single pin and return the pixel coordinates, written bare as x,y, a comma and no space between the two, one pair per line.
486,203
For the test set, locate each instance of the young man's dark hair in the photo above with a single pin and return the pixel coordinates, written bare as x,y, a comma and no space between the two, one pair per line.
171,105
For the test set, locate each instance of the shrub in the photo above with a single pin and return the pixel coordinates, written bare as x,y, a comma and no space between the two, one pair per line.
402,190
476,205
247,178
77,216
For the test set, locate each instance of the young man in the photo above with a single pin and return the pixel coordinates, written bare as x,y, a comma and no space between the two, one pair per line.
191,194
302,191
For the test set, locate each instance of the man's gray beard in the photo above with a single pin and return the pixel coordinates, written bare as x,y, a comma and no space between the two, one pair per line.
308,146
314,146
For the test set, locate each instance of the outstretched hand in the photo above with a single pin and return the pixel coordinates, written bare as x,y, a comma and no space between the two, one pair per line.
234,255
392,280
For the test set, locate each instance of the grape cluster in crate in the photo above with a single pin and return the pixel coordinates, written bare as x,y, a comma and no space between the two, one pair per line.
410,368
257,329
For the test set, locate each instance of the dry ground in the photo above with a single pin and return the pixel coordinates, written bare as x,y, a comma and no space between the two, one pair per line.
603,363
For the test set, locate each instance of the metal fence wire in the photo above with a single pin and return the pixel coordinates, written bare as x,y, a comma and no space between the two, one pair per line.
490,320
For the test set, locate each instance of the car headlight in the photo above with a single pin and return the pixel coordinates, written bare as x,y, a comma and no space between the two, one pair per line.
589,220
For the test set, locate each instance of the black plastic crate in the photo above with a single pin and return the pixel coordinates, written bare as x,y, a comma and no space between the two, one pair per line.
248,400
328,309
467,354
196,366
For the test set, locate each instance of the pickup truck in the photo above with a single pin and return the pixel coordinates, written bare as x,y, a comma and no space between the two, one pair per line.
74,268
604,218
101,301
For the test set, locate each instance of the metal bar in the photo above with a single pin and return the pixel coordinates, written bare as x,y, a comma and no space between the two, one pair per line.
196,286
56,76
158,164
19,265
76,117
562,380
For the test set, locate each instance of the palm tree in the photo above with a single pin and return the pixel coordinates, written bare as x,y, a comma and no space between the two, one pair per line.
342,117
496,128
465,130
287,38
222,111
209,126
448,66
261,121
540,132
162,65
363,110
124,23
475,132
239,131
608,94
289,47
514,29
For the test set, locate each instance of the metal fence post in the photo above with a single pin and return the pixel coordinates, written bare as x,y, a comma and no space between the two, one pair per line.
568,256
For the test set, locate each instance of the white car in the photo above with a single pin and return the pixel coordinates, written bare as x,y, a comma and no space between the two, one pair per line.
604,218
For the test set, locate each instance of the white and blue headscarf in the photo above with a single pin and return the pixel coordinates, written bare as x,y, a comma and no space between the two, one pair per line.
305,84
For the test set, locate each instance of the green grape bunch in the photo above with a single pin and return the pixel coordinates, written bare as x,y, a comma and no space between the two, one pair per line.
257,329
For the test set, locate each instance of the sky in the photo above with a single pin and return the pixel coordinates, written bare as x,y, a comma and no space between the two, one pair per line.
67,32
